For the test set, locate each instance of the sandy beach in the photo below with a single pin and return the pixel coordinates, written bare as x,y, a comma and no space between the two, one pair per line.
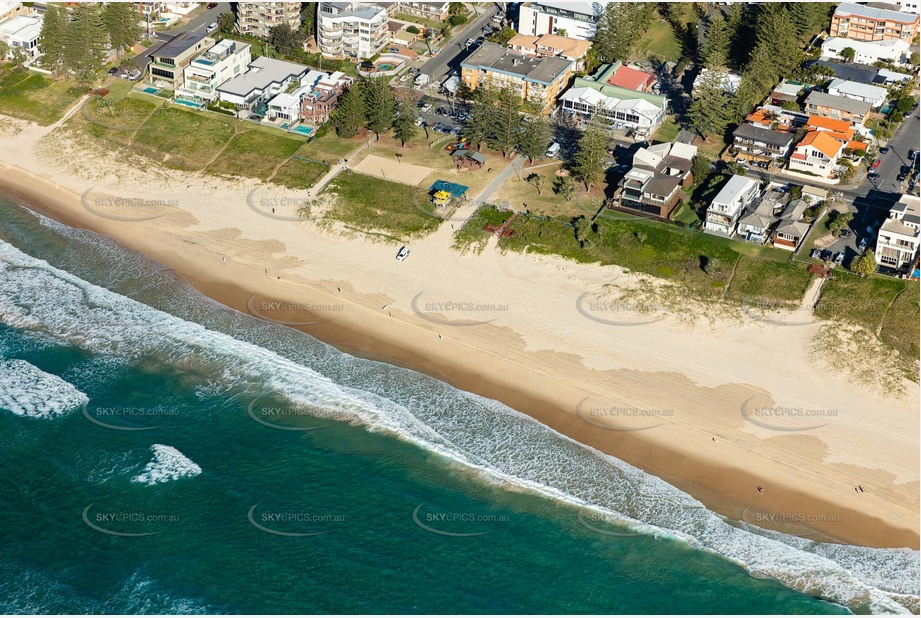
716,407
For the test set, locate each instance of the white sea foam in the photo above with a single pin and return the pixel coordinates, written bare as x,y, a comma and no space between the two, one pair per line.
168,464
501,444
26,390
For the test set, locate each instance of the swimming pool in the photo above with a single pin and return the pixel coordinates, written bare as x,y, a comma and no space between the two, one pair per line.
303,130
151,90
188,103
386,66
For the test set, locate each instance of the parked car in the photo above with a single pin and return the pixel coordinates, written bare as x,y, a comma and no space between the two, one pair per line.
212,27
113,71
420,121
402,253
884,150
844,233
816,254
212,5
872,175
901,177
553,150
426,108
826,255
863,244
839,259
875,164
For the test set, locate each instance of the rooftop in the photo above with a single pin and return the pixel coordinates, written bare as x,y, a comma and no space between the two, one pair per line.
823,142
760,134
823,99
497,58
857,89
862,73
732,189
178,45
846,9
262,73
630,78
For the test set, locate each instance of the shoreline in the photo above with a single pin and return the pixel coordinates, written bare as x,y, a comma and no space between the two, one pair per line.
726,488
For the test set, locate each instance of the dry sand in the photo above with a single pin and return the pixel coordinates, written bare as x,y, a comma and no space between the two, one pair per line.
541,334
391,169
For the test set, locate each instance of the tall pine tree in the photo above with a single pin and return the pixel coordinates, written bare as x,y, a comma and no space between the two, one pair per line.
589,163
380,105
349,115
121,22
53,37
85,43
715,54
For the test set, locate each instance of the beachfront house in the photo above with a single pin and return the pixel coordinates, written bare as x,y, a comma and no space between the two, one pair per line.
726,208
319,101
791,229
897,246
22,32
653,185
168,61
209,70
264,78
874,95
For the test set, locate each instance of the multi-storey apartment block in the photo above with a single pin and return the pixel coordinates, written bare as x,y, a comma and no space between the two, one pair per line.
210,69
864,23
572,19
355,29
900,235
258,18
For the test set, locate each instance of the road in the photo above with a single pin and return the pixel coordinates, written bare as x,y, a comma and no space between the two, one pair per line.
200,22
451,54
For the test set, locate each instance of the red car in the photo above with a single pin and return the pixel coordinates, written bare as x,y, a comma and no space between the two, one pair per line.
875,164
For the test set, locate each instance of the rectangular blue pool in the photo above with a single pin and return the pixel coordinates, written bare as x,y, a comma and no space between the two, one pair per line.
302,130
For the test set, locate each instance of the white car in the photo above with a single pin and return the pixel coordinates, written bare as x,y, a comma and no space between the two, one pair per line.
212,27
419,121
426,108
863,244
402,253
553,150
839,259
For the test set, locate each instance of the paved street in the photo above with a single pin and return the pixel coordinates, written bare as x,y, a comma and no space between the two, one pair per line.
199,23
451,55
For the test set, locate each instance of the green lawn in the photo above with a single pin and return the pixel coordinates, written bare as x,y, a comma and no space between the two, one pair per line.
254,154
428,23
667,132
183,140
762,280
299,174
30,96
377,206
686,215
117,121
659,41
330,147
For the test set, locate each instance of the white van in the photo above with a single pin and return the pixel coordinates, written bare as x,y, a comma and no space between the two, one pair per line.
553,151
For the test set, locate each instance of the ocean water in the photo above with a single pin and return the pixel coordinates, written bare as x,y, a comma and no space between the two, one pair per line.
165,454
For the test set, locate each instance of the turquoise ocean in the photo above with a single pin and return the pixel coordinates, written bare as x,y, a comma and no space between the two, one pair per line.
165,454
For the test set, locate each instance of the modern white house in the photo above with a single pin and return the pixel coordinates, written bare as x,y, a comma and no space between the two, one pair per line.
210,69
265,78
23,32
354,29
874,95
573,19
868,52
900,235
725,209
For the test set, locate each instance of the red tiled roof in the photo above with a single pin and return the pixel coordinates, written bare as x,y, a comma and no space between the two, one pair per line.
823,142
632,79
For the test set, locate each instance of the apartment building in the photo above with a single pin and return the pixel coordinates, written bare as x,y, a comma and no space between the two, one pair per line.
900,235
837,107
210,69
149,9
864,23
436,11
538,80
571,19
817,153
351,29
760,144
725,209
168,61
258,18
551,45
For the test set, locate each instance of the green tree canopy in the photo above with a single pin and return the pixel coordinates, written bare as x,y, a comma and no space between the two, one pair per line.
349,115
589,161
534,137
121,20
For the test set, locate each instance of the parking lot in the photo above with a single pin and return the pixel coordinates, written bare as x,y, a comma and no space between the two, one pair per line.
443,116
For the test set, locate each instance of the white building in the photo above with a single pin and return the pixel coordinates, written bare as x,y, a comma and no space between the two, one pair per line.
874,95
900,235
817,153
622,113
723,212
354,29
265,78
210,69
573,19
868,52
258,18
909,6
22,31
729,81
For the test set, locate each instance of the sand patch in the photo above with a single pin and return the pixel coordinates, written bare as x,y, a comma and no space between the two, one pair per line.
390,169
